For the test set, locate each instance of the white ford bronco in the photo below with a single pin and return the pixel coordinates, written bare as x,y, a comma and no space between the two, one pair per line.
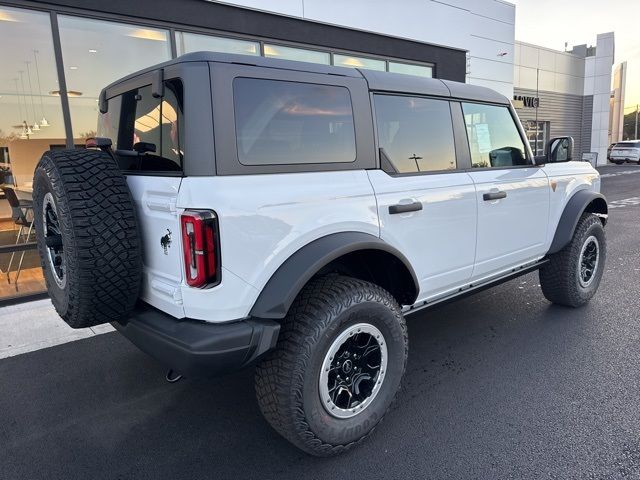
237,211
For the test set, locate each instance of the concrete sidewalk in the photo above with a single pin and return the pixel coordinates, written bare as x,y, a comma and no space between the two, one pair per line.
34,325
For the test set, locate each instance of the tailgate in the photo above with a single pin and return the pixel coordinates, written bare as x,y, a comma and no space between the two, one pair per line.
159,225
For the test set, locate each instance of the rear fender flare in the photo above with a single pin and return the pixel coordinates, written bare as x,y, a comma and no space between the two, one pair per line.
285,284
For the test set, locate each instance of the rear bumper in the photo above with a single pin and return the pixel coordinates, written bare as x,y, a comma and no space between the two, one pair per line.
624,158
195,348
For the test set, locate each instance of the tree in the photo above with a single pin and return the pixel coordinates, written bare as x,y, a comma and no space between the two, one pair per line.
629,128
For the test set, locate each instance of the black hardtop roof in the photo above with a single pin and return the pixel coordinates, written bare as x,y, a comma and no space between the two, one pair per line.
377,81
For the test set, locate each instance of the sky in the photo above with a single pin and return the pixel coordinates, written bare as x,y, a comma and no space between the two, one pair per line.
551,23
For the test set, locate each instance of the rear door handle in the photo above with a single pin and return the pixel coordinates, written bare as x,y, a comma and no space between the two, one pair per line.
487,197
405,208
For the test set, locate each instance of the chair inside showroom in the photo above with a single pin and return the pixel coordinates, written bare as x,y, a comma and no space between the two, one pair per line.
22,216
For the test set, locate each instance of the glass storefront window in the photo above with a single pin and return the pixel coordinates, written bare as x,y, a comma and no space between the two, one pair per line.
409,69
95,53
297,54
537,135
30,123
193,42
359,62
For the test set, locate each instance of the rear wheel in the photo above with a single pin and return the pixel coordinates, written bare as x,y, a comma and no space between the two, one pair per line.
337,366
572,276
87,236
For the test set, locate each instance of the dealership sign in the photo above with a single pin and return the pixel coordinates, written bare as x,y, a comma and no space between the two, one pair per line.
521,101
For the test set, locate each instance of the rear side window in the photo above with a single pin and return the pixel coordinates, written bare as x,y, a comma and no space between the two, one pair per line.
416,134
147,132
288,123
494,139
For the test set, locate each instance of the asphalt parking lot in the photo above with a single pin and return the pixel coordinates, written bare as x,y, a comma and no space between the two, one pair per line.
499,385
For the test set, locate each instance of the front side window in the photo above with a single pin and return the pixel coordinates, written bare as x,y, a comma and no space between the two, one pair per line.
288,123
494,139
146,132
416,134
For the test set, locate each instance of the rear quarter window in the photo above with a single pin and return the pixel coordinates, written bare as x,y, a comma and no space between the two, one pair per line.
287,123
137,117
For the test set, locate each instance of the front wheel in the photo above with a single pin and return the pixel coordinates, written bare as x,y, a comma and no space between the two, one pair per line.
337,366
572,276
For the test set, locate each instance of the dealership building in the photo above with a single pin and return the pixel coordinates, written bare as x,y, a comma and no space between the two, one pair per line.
58,54
570,93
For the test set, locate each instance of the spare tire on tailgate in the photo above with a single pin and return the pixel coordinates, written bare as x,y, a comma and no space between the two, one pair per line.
87,235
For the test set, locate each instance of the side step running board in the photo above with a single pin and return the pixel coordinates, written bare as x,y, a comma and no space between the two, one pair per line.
475,288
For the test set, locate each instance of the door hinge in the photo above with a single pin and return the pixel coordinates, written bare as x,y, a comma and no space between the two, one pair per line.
172,291
160,205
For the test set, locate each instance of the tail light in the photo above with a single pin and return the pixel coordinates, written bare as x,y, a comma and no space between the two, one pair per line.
201,248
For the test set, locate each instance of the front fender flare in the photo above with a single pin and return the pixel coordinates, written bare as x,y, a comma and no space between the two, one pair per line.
285,284
574,209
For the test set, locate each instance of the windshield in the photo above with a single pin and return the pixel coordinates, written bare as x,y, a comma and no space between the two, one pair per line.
619,146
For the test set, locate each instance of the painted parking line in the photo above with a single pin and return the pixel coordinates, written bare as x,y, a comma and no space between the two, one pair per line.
627,202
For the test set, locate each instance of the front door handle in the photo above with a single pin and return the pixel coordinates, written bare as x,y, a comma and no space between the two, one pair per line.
405,208
487,197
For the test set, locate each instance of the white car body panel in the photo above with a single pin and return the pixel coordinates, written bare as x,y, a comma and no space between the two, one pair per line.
155,199
513,230
625,151
456,240
439,240
565,180
263,220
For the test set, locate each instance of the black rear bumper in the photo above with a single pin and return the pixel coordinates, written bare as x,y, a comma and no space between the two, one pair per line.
196,348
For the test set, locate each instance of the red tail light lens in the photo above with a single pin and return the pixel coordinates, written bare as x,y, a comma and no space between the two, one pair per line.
201,248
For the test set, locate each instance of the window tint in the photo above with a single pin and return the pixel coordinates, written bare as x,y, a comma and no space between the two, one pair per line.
618,146
135,118
415,133
284,123
494,139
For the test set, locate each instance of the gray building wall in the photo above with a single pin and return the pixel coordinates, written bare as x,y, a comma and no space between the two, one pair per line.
587,120
568,115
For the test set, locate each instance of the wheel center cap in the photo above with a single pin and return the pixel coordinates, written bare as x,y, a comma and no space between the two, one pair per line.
347,366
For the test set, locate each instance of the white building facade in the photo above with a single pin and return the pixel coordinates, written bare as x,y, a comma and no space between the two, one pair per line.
568,93
483,28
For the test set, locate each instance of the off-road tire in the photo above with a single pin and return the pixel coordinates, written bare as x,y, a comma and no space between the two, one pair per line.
100,238
286,381
559,278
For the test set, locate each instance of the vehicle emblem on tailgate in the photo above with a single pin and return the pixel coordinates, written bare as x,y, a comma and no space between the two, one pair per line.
165,242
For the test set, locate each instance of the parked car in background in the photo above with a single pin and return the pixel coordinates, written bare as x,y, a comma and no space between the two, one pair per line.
609,151
626,152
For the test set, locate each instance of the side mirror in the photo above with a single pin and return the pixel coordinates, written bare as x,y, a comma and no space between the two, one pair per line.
560,149
540,160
